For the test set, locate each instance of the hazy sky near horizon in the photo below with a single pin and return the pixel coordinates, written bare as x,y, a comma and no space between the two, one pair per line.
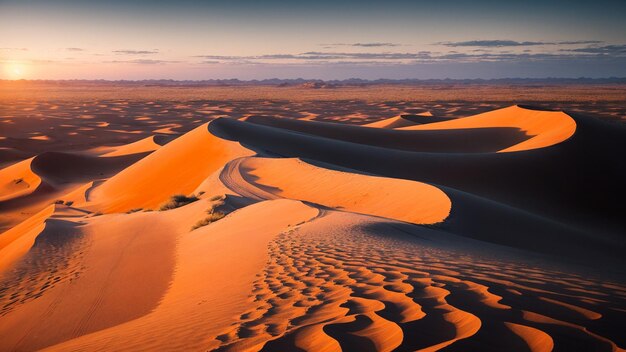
245,39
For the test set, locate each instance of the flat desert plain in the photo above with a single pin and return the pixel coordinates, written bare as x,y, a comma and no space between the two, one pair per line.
456,218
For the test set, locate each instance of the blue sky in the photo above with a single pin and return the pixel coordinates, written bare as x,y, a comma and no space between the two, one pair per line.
141,39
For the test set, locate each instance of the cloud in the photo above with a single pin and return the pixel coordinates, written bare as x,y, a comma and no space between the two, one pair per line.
322,56
577,42
603,50
512,43
74,49
489,43
141,62
363,45
401,58
136,52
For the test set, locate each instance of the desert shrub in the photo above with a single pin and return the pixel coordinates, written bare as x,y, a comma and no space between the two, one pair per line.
58,201
218,197
177,201
69,202
18,180
212,217
200,193
134,210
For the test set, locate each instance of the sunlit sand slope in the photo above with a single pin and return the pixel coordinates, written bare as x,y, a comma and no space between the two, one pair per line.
403,200
178,167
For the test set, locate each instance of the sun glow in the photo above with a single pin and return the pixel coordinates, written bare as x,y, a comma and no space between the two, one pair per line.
14,70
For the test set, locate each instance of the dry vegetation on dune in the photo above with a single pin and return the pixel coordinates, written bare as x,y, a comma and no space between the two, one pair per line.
308,225
177,201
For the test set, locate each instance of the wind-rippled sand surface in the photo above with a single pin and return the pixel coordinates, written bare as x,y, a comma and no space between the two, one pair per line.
310,226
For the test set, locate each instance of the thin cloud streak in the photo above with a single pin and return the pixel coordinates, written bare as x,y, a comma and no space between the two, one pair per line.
136,52
363,45
142,62
511,43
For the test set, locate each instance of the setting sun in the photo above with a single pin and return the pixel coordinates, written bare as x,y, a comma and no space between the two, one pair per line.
14,70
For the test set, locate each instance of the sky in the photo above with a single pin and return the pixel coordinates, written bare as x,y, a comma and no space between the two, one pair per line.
322,39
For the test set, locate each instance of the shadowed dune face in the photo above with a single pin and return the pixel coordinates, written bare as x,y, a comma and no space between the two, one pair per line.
482,139
318,227
544,128
504,130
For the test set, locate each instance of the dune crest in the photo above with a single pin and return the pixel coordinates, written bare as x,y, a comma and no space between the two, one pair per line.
18,180
146,145
545,128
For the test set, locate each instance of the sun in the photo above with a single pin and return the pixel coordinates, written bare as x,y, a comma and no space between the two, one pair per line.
14,70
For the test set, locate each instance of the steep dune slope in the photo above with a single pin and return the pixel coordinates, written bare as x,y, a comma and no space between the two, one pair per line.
178,167
545,128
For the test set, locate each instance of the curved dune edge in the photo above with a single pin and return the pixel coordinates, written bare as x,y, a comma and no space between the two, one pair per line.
146,145
49,177
16,241
546,128
467,140
403,200
537,340
178,167
396,121
18,180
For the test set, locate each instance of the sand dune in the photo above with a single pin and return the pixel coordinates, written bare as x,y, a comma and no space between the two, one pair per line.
18,180
545,128
409,201
470,140
178,167
407,120
514,179
31,185
493,232
146,145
